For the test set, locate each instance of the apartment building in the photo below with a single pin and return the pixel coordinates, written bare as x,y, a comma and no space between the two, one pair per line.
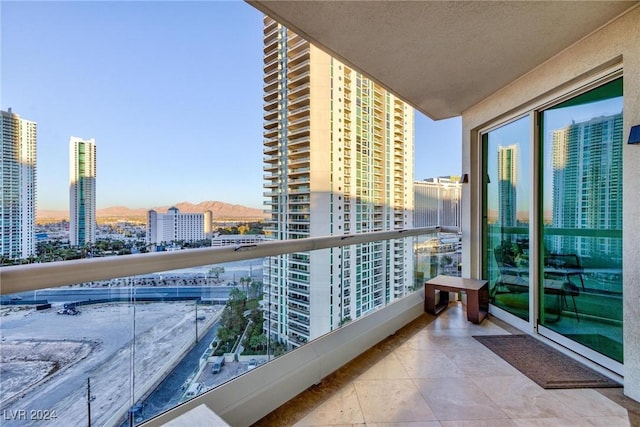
82,191
338,160
176,226
18,144
437,202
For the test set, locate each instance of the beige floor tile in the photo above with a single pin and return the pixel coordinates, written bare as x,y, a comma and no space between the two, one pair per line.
425,340
573,422
387,369
428,364
407,424
480,362
392,401
479,423
452,399
588,402
520,397
343,408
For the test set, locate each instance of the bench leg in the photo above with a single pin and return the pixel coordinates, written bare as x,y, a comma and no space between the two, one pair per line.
477,304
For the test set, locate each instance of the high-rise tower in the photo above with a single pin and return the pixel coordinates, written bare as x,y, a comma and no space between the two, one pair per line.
437,201
507,180
338,160
82,191
587,185
18,139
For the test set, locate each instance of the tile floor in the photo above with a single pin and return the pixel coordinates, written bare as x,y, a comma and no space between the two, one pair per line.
438,375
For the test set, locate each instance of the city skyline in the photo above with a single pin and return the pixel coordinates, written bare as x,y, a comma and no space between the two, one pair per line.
145,79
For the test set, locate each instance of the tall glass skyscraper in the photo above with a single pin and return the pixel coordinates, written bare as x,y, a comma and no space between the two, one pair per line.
507,180
18,140
82,191
338,160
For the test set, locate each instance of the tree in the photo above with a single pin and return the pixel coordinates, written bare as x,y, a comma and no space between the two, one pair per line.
255,289
216,272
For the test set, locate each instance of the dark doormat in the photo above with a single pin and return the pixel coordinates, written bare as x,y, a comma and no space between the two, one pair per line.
543,364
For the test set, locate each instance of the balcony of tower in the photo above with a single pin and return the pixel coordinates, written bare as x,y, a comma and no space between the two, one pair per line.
297,200
269,24
270,167
271,56
298,285
297,56
300,153
270,124
296,45
297,112
270,149
294,218
300,330
298,102
301,321
270,83
300,122
271,71
271,43
299,171
302,189
272,96
272,181
270,34
271,105
295,90
270,133
299,131
299,75
298,308
296,340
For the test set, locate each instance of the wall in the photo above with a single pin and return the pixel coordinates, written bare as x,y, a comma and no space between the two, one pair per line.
614,45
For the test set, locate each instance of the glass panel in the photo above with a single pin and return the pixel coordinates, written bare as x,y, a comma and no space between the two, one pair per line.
582,219
124,350
506,216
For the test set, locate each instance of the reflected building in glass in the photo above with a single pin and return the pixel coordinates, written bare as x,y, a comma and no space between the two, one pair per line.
507,180
338,160
587,186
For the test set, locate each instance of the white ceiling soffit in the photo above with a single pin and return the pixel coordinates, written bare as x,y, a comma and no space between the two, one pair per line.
443,56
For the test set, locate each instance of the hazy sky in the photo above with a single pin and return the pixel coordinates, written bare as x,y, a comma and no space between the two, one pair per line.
171,92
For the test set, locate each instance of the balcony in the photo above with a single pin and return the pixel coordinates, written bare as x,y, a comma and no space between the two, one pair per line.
430,358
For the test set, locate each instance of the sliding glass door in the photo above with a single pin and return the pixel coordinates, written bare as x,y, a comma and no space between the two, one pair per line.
506,215
581,231
575,285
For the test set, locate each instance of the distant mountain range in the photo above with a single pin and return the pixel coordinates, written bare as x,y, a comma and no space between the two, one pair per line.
221,210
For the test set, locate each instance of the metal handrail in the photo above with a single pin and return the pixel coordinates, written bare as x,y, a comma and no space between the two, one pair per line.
33,277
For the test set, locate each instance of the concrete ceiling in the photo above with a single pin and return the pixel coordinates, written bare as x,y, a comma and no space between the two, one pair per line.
442,57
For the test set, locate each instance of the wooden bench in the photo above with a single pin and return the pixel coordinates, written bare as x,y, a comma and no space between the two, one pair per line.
477,295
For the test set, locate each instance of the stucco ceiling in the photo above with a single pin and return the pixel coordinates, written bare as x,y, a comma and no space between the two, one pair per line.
443,56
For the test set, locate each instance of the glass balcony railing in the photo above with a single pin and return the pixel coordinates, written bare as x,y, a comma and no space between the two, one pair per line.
116,341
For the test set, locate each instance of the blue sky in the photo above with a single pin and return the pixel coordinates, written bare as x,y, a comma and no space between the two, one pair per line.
171,92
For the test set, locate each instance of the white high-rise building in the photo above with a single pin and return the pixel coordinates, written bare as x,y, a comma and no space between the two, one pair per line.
175,226
507,181
18,146
437,202
338,160
82,191
587,193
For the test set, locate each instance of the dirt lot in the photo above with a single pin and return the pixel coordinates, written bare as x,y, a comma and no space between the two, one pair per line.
47,357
